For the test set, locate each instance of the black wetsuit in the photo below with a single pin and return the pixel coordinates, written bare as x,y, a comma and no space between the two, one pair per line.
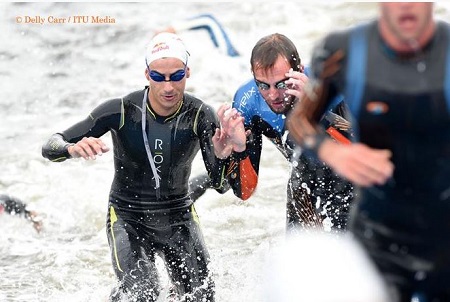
141,224
314,191
401,103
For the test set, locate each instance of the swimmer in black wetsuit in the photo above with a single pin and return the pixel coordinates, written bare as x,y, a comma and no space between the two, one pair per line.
156,134
15,206
395,76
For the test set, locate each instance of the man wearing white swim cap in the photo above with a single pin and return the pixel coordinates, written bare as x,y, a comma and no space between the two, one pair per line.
156,133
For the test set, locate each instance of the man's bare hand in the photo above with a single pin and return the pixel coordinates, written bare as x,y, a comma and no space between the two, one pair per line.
88,148
232,135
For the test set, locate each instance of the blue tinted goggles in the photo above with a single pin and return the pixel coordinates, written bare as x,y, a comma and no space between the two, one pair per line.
159,77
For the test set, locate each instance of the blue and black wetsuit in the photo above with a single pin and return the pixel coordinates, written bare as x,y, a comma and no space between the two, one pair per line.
145,219
310,180
401,102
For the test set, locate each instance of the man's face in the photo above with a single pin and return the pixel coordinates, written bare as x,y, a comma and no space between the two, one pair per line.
270,84
166,96
407,21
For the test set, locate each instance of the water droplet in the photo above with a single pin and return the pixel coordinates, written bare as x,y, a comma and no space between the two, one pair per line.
393,248
368,233
421,66
420,275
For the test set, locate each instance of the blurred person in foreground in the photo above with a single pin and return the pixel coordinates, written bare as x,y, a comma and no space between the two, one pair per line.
15,206
156,131
394,73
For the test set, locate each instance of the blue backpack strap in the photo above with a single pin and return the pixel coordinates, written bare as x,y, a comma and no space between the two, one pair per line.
356,72
356,68
357,59
447,71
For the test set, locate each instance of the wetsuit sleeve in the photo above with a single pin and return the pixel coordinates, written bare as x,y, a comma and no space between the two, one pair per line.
206,123
105,117
336,123
242,173
198,185
243,169
56,148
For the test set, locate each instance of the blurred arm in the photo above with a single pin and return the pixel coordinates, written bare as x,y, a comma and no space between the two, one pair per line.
357,162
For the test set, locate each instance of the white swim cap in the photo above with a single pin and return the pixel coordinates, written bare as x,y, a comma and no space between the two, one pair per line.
166,45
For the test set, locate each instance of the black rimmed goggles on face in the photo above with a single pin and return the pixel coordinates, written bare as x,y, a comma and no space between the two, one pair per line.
281,85
159,77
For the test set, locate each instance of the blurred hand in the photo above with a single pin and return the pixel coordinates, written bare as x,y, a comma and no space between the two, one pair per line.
35,219
358,163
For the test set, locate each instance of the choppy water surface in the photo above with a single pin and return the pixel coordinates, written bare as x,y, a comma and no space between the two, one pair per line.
52,75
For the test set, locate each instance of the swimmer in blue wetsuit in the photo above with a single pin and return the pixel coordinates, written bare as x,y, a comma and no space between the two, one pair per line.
264,110
156,133
264,102
394,73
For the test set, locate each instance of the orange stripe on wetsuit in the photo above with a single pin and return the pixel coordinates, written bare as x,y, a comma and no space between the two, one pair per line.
339,137
249,178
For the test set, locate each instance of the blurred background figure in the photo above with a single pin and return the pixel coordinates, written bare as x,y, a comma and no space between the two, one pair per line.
207,22
327,268
15,206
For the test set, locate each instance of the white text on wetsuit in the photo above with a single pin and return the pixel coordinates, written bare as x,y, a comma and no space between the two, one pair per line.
158,158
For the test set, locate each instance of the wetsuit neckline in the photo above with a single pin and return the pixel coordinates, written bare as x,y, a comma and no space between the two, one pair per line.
156,116
416,55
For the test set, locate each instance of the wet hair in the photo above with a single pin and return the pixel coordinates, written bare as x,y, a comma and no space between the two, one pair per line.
267,49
